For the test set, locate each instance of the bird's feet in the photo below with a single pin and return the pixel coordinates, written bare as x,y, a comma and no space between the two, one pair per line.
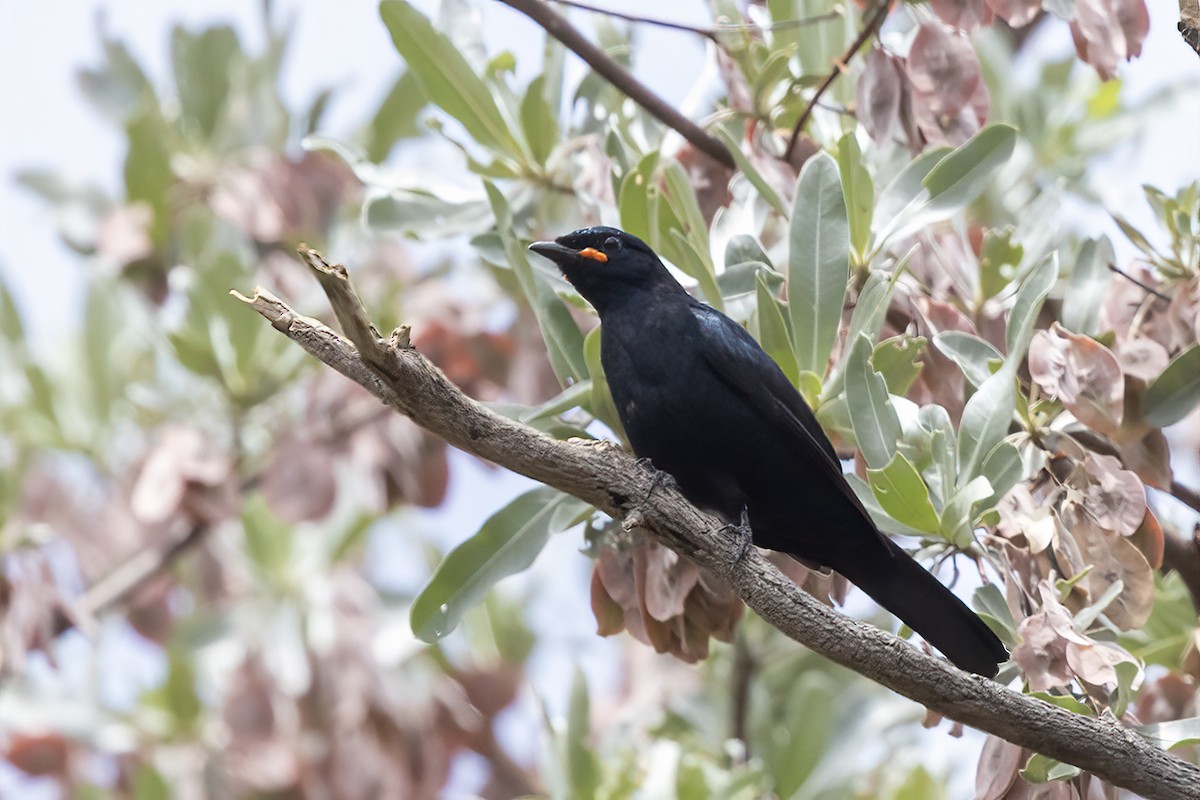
743,533
660,478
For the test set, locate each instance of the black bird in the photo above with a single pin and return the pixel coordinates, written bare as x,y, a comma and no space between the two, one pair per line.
702,401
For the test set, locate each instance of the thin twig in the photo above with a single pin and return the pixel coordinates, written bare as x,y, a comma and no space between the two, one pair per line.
870,26
1149,289
707,33
713,33
557,26
1186,495
600,474
744,666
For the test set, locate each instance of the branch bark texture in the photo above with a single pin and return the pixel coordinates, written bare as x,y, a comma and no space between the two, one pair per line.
601,474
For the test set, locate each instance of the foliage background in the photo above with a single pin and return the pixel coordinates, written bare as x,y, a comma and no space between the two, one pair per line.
274,623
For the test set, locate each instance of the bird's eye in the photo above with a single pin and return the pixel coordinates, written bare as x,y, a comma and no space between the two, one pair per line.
612,244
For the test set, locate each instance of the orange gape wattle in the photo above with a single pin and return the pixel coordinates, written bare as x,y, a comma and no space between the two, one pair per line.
593,254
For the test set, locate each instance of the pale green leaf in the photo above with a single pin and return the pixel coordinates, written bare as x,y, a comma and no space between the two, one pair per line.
858,189
819,262
962,175
969,352
446,77
876,426
903,495
507,544
755,177
1172,395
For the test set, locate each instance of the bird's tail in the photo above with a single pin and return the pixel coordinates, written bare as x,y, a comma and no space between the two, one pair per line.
906,589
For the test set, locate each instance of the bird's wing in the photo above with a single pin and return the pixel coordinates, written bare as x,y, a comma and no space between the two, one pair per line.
738,360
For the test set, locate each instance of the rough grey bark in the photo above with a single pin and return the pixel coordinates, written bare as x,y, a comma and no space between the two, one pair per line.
601,474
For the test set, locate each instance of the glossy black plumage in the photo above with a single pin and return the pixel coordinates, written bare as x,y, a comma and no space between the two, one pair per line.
701,400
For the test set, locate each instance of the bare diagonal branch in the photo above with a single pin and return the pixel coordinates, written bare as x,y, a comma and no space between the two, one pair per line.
601,474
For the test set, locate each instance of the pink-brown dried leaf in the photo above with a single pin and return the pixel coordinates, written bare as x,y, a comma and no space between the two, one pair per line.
1107,32
949,99
298,481
999,763
1112,558
669,578
879,94
184,474
1017,13
1116,498
965,15
1082,373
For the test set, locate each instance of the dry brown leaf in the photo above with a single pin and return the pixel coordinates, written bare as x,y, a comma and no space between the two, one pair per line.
299,481
1082,373
965,15
1017,13
999,764
879,94
1116,498
1107,32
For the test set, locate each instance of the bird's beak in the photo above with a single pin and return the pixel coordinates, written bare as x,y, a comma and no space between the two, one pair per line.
562,255
554,251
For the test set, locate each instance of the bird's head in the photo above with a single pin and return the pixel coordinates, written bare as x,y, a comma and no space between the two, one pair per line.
607,265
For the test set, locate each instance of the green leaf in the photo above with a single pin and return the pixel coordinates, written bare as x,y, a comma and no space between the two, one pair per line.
866,319
958,513
989,601
148,175
962,175
819,262
919,785
583,766
743,248
149,784
1003,468
446,77
684,233
1042,769
268,538
507,544
1172,395
740,279
999,258
985,421
638,201
876,426
564,342
772,331
1087,286
10,316
896,360
599,399
859,191
202,64
1029,301
538,120
1064,701
903,495
972,354
396,117
755,177
905,190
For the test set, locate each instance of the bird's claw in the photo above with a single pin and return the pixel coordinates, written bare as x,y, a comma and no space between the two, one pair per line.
744,534
660,478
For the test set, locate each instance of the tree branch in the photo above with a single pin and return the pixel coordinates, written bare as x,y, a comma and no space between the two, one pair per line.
601,474
870,26
558,27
